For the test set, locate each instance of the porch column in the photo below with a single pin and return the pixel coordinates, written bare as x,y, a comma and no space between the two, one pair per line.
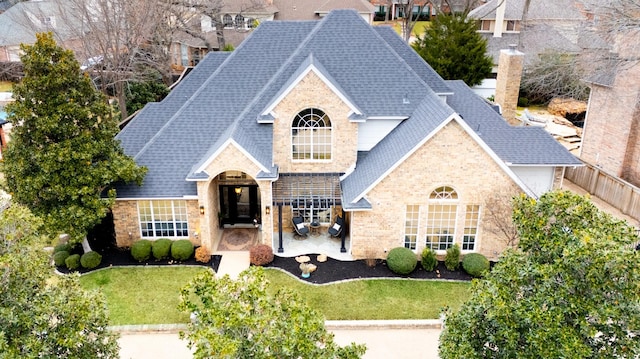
280,248
343,234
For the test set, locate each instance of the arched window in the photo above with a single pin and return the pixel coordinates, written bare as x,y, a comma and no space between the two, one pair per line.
441,218
311,135
239,21
227,20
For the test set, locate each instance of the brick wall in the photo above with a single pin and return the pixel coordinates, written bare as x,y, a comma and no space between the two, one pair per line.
510,65
450,158
312,92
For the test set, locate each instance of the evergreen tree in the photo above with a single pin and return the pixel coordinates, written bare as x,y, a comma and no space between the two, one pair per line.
570,290
62,156
454,49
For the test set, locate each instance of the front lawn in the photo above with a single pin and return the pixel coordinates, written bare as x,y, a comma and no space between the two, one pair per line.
5,86
149,295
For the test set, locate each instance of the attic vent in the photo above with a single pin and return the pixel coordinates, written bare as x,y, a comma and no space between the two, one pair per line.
405,100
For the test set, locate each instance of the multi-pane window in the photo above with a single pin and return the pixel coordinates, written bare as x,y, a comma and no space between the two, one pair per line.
411,226
239,21
316,210
441,218
484,25
227,20
471,220
513,25
311,135
163,218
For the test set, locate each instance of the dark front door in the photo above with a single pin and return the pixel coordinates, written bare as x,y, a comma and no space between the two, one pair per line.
240,204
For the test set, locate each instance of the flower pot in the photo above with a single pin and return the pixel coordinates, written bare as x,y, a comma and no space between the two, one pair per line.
306,275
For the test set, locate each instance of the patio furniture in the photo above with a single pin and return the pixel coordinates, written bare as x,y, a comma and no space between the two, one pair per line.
314,228
299,227
336,229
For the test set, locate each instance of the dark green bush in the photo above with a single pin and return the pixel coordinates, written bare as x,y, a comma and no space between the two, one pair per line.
452,259
181,250
90,260
401,260
429,260
59,258
523,102
160,248
141,250
62,247
73,261
475,264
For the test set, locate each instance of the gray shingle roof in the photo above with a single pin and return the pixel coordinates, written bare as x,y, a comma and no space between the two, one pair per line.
222,99
538,9
22,21
514,145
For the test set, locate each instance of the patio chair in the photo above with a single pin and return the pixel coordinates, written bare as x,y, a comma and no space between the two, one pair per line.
336,229
299,227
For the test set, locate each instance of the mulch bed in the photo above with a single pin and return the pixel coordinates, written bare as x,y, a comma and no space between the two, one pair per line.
334,270
327,272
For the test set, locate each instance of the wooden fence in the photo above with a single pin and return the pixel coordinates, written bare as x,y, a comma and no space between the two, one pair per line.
618,193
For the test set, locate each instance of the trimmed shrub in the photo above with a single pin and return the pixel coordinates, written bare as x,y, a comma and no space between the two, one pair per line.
59,258
73,261
160,248
90,260
202,255
62,247
181,250
260,255
429,260
401,260
452,259
141,250
475,264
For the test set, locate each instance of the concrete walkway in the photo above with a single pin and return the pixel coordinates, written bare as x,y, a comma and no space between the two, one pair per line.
232,263
384,339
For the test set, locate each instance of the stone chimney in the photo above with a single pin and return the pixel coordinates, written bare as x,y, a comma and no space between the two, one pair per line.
510,66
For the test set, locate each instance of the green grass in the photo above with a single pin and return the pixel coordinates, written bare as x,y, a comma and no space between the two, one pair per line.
5,86
418,28
142,295
150,295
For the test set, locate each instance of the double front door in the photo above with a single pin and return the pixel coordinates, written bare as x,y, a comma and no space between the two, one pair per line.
239,203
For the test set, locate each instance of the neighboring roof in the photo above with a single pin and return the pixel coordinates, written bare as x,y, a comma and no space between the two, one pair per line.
20,23
219,104
311,9
249,7
538,10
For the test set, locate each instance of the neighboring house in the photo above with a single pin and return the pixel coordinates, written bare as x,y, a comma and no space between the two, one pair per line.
389,10
546,26
314,9
20,23
611,136
323,119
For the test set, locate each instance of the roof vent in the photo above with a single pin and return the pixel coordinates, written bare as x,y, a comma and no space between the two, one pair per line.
405,100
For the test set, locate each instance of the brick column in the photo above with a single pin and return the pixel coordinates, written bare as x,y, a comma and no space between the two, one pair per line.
508,82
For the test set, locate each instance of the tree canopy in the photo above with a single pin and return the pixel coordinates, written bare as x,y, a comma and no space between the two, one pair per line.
63,155
454,49
241,319
570,290
40,316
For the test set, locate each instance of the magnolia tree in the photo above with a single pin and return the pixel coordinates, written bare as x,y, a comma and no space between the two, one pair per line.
241,319
63,155
40,316
570,290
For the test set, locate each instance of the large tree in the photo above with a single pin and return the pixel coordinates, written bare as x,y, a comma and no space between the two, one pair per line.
241,319
570,290
455,50
40,316
63,156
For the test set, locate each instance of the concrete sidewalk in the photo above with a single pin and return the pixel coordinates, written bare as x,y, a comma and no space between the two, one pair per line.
384,339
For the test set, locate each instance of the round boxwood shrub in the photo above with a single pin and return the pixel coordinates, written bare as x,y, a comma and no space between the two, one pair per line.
475,264
260,255
73,261
429,260
452,259
401,260
181,250
161,248
141,250
59,258
90,260
62,247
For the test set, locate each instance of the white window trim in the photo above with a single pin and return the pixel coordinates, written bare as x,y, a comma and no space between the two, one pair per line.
417,227
312,160
464,227
153,221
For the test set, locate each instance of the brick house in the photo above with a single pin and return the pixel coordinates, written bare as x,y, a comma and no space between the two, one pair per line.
321,119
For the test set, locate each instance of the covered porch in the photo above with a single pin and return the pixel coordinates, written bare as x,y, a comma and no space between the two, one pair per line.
315,198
